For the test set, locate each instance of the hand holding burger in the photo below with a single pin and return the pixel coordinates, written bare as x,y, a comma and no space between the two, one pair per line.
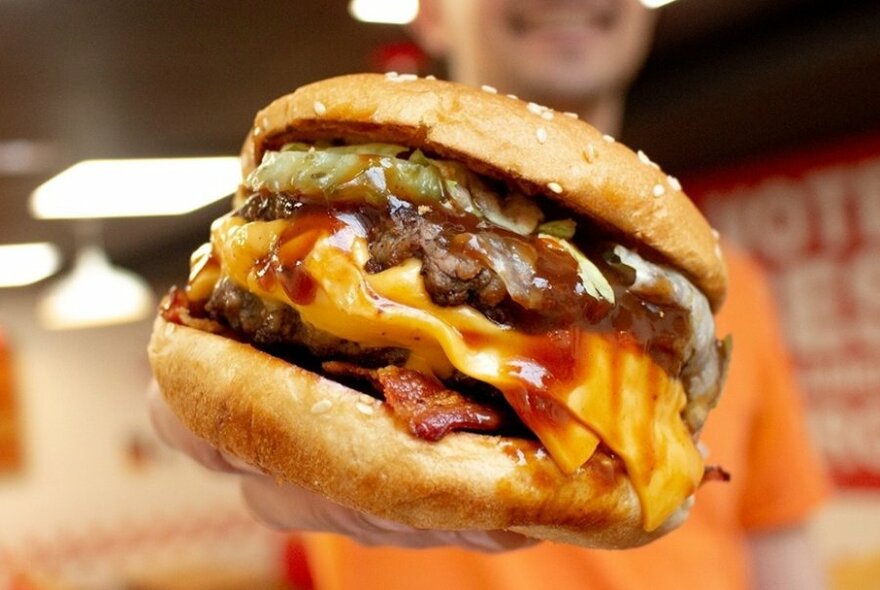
293,508
453,310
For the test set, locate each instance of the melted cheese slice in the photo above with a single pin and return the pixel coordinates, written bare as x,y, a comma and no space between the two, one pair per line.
614,393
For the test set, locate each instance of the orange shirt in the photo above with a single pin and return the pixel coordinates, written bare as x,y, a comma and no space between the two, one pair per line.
757,433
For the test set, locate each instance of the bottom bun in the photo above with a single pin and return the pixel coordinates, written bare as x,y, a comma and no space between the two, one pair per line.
305,429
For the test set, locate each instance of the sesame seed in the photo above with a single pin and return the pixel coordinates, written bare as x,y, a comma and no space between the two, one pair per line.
366,399
541,134
659,190
395,77
257,131
715,234
674,183
322,406
646,160
489,89
535,108
364,409
320,109
718,250
540,454
513,96
547,115
590,153
570,115
520,457
608,138
430,77
555,187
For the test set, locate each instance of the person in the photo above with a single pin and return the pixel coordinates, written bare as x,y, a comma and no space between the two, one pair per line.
581,56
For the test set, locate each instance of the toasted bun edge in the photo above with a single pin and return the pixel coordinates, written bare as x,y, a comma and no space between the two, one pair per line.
306,430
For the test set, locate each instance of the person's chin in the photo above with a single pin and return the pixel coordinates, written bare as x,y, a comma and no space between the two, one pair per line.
560,79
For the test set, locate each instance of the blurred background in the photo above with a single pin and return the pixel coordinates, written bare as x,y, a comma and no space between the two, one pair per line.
767,110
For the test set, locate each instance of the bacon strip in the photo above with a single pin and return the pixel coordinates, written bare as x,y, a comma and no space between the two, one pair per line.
421,402
176,308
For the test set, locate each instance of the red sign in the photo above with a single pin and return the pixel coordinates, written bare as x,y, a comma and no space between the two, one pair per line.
813,219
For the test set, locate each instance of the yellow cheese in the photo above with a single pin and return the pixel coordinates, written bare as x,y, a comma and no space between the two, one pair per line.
203,274
636,407
641,421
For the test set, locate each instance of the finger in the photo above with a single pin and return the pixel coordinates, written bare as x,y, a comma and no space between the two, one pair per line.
495,541
239,465
289,507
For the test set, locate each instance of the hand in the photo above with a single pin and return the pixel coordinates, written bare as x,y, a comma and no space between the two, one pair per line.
289,507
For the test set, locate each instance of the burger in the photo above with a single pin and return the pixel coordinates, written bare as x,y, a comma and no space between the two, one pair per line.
456,310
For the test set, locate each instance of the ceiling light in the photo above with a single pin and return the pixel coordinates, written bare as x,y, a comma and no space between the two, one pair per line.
656,3
95,293
392,12
25,264
132,188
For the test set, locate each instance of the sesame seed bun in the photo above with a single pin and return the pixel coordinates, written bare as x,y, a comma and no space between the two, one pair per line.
307,430
541,151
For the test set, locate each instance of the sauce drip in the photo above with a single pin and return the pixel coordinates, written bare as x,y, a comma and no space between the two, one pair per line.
283,265
299,285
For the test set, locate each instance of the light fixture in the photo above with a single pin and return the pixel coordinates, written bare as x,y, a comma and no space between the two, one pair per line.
25,264
95,293
392,12
130,188
656,3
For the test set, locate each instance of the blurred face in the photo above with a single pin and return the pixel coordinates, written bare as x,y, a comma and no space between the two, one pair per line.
559,51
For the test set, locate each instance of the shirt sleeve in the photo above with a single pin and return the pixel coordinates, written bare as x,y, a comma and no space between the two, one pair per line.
786,480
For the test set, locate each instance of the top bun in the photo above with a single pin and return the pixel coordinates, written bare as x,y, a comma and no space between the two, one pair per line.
541,151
